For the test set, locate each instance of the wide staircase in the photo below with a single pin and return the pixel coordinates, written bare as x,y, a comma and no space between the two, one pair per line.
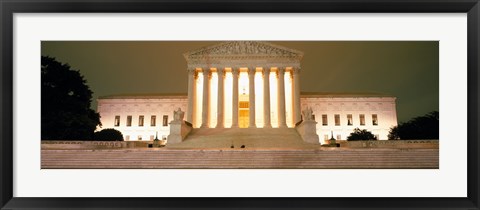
331,158
273,138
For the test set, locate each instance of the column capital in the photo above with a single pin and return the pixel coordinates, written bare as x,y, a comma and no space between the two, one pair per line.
191,70
265,71
280,71
296,70
235,70
252,70
206,69
221,71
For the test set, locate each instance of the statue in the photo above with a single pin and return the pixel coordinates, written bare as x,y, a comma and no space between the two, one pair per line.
178,115
307,114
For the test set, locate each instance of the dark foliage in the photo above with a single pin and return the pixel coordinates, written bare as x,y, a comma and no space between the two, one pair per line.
361,135
66,98
108,134
423,127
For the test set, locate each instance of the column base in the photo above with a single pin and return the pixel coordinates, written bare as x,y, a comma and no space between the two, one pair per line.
252,126
204,126
234,126
267,126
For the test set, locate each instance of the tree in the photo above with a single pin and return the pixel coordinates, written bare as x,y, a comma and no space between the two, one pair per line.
361,135
66,99
422,127
108,134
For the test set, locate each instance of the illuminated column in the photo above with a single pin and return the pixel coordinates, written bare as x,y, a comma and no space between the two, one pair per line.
220,106
266,98
205,101
235,72
251,96
191,92
281,97
296,95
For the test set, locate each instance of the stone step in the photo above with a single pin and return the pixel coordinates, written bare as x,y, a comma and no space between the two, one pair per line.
164,158
250,137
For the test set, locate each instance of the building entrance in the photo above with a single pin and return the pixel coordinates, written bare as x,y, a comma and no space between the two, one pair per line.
243,118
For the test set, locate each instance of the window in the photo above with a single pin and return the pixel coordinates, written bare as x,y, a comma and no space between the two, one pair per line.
153,120
129,120
362,119
325,137
152,137
140,120
165,120
339,137
244,104
349,119
117,121
374,119
139,138
127,137
324,119
337,119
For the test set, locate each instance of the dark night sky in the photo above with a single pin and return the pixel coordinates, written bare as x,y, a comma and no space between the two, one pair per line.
406,70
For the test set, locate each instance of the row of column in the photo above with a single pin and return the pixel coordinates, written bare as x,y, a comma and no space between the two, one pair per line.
251,76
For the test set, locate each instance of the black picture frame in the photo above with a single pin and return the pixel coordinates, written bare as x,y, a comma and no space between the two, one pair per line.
10,7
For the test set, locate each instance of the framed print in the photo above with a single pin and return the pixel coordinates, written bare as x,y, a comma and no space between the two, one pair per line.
239,105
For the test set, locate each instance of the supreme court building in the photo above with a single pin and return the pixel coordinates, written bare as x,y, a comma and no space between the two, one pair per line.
247,84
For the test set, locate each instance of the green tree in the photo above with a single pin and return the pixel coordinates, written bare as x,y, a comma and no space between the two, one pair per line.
108,134
66,99
358,134
422,127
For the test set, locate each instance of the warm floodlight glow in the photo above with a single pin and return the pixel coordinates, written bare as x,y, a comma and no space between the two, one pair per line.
273,100
228,99
198,101
213,96
259,121
288,99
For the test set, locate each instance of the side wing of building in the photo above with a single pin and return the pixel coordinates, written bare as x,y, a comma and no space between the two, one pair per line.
340,115
139,117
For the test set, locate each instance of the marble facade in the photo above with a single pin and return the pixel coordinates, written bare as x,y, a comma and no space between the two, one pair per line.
247,84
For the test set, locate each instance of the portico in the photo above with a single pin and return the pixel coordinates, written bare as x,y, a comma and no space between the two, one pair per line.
245,84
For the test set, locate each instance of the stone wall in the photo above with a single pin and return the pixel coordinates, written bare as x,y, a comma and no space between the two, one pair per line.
95,144
410,144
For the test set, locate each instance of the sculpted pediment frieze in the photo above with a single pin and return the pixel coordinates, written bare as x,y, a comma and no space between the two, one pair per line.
243,50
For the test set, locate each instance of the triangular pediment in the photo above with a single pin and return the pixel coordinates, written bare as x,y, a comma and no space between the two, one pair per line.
244,49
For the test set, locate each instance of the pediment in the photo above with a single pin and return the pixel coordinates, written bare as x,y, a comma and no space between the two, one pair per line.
244,49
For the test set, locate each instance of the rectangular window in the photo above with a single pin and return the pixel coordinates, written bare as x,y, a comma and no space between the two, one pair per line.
324,120
337,119
153,120
140,120
362,119
165,120
117,121
127,137
129,120
339,137
243,104
349,119
325,137
374,119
